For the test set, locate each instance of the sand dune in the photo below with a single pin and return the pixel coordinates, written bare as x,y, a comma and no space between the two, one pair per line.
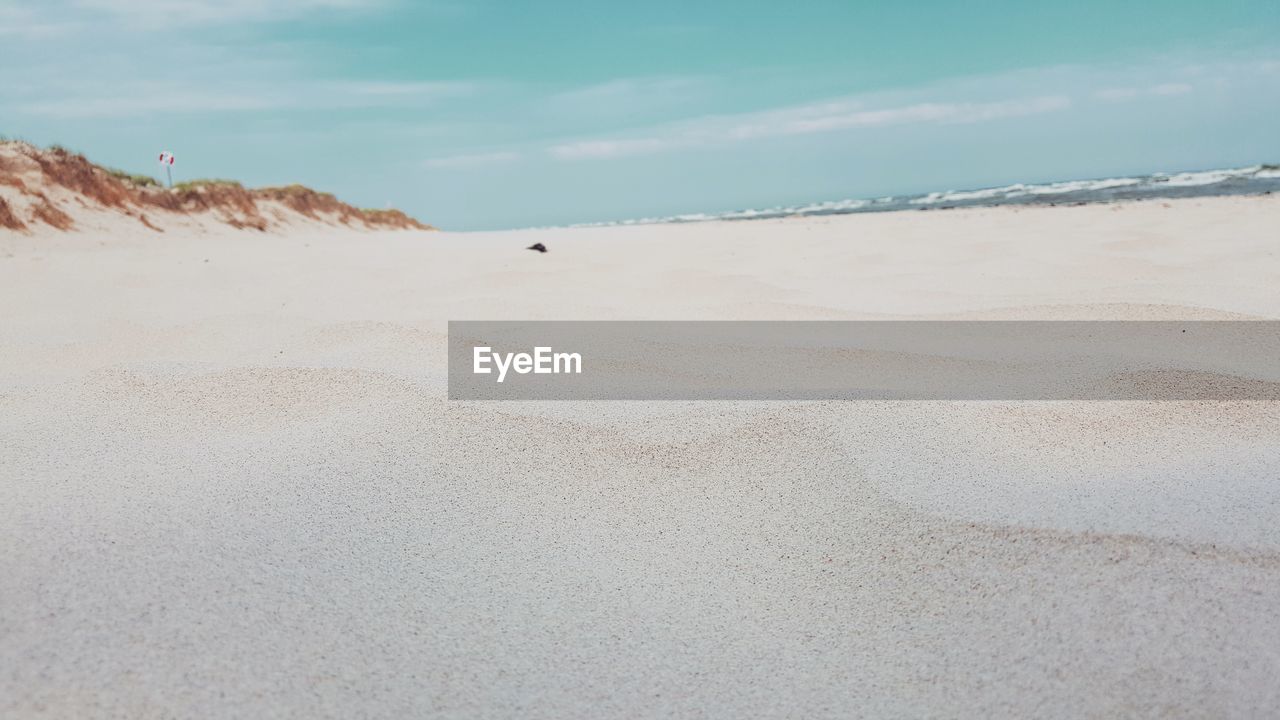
232,485
43,189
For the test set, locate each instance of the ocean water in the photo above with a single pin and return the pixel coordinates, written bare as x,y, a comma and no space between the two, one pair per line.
1256,179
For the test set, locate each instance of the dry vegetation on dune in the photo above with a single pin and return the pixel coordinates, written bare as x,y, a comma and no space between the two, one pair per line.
53,187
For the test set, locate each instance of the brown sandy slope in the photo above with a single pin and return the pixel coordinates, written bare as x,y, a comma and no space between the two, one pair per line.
55,188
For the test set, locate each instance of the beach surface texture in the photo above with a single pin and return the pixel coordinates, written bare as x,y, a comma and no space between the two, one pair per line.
231,484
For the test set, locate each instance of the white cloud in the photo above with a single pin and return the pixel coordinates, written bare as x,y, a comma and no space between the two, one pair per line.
629,90
119,106
88,19
599,149
1116,94
138,97
1121,94
382,88
26,23
473,160
627,97
924,112
168,13
830,116
112,65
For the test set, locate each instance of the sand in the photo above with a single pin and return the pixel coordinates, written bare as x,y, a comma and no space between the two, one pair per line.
231,485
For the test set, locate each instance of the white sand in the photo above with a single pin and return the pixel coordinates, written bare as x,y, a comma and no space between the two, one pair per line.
230,485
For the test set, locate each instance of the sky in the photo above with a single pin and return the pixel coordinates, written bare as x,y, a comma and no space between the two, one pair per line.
489,114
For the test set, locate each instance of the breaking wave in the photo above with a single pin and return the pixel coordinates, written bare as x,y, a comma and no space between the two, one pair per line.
1254,179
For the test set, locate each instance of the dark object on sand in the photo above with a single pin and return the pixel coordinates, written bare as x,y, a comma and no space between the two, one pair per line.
537,246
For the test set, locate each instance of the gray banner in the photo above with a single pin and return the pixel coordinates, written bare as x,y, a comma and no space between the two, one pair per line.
878,360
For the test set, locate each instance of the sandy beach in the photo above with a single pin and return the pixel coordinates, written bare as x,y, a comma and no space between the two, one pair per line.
231,484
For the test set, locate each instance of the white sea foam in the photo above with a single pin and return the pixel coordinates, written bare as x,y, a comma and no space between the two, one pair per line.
1082,186
1210,177
1021,190
1196,178
966,195
1144,186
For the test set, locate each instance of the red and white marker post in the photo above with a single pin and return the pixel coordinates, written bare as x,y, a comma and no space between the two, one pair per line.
166,160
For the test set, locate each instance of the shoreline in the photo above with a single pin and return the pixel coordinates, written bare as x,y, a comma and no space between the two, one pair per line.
1253,180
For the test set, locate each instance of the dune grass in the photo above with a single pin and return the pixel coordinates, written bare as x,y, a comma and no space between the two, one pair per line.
206,182
139,180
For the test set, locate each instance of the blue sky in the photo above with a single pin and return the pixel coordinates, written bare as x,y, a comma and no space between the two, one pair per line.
477,114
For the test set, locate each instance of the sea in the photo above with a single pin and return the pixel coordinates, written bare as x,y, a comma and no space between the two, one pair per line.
1253,180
